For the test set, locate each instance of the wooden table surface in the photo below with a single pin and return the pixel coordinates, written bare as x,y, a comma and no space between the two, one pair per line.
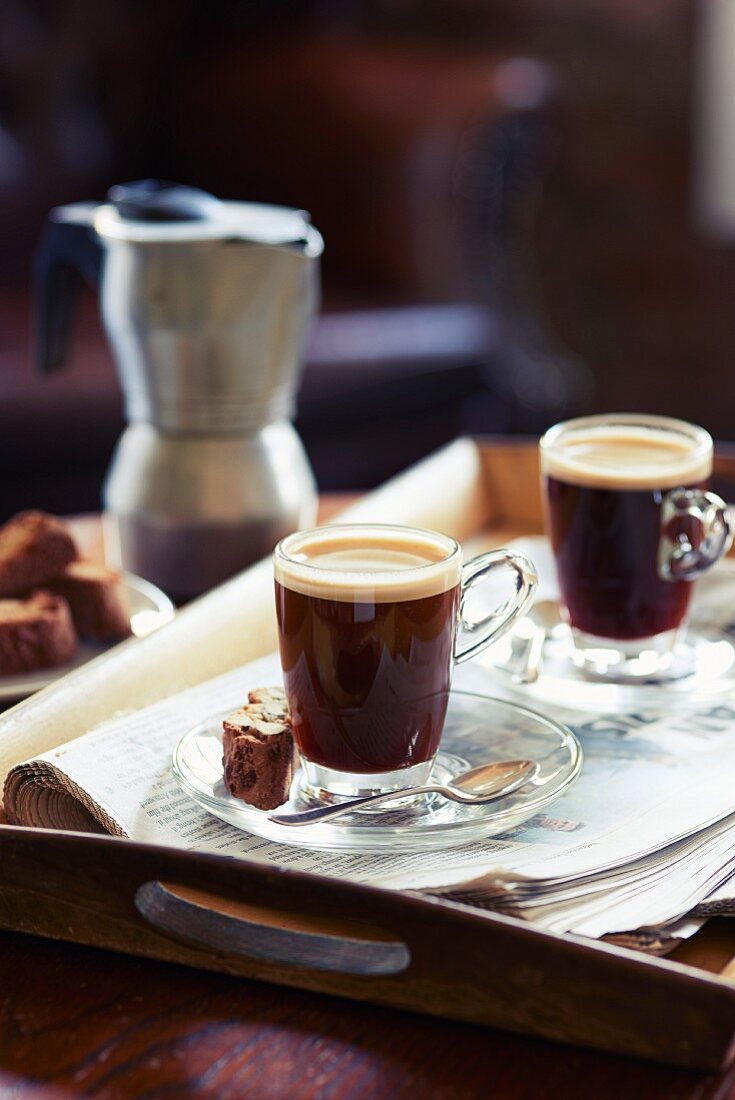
79,1022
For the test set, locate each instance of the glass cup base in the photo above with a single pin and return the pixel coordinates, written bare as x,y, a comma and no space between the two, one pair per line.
324,786
639,660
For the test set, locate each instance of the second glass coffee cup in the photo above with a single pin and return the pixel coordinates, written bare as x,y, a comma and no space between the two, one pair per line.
371,620
632,525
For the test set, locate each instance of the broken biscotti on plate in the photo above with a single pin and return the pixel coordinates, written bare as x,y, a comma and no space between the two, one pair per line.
259,754
35,633
49,598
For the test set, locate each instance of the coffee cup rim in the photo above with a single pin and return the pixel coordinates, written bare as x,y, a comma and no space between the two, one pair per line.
281,550
399,582
704,441
564,452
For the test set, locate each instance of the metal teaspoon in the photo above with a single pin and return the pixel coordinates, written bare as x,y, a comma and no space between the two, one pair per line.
483,784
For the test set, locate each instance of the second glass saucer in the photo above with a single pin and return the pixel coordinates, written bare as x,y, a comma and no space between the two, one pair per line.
478,729
702,668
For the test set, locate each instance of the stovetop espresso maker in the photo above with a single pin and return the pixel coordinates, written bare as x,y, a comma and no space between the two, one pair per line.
207,306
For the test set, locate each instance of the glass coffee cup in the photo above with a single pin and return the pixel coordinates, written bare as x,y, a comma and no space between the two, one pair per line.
371,621
632,525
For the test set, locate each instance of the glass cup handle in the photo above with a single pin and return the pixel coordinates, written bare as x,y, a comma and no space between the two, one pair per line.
472,636
695,532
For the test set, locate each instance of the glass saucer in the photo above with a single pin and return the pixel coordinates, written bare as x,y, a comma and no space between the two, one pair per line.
702,668
478,729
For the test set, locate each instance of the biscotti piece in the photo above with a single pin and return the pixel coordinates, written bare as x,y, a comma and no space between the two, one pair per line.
34,548
273,700
258,757
97,598
35,633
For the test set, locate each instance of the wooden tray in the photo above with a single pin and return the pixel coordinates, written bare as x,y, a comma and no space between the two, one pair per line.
403,950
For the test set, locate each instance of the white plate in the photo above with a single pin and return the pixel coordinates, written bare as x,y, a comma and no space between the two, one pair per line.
477,729
150,608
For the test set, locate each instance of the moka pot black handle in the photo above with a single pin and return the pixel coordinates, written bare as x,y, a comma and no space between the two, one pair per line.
68,257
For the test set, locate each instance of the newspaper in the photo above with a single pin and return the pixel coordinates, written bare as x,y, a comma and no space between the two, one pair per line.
643,843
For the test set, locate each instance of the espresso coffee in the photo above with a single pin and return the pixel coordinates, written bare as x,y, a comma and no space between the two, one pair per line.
604,490
366,632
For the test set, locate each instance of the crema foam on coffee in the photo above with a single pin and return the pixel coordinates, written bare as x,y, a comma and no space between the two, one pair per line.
619,457
360,565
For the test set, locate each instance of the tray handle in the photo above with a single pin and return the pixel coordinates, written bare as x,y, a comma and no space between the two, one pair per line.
170,913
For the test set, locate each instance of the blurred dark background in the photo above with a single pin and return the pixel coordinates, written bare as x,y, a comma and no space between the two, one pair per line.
505,187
